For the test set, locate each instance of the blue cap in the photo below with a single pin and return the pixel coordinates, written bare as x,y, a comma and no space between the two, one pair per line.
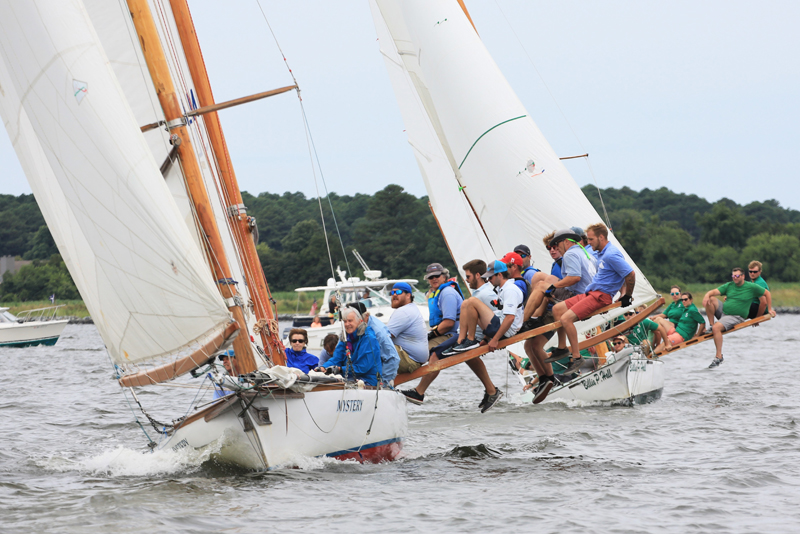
227,354
402,286
494,268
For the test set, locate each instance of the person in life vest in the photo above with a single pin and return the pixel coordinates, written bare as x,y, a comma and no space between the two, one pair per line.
528,270
514,264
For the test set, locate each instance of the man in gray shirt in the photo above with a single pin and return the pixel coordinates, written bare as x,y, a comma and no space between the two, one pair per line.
407,329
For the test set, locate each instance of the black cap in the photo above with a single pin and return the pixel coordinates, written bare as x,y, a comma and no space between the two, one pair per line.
524,249
358,306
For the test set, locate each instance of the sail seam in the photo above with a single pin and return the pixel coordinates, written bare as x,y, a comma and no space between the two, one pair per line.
484,133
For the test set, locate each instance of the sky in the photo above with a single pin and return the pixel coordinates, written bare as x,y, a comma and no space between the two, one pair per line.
698,97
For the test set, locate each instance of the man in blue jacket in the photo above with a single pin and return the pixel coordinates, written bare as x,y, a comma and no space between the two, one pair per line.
390,359
362,346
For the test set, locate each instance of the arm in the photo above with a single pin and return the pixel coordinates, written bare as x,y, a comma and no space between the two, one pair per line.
712,293
769,303
508,320
445,326
567,281
762,304
630,283
338,358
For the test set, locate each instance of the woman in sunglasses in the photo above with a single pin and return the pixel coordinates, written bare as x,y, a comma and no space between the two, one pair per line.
672,314
690,323
296,355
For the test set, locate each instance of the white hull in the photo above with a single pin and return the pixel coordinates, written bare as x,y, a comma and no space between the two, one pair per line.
278,430
629,380
31,333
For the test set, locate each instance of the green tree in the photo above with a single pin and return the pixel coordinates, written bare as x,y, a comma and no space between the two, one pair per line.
725,225
38,281
42,245
779,254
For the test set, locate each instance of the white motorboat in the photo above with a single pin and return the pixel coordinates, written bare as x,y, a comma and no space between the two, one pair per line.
31,327
372,292
627,377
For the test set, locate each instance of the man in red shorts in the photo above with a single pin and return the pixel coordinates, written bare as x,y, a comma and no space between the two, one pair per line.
613,273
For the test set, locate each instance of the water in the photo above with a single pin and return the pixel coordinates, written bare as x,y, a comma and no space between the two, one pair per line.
718,453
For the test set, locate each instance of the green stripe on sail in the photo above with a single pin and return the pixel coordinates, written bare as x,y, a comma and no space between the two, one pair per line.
484,133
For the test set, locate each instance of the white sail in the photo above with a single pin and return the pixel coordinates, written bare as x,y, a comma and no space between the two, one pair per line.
100,190
498,159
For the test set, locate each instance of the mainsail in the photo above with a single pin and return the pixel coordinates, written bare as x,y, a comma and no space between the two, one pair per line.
111,214
493,179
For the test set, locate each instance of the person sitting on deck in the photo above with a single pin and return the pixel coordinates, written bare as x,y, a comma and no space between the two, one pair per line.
613,273
578,272
690,323
754,270
316,322
228,359
328,346
296,354
528,270
648,333
738,296
672,313
491,393
407,328
362,346
514,264
390,359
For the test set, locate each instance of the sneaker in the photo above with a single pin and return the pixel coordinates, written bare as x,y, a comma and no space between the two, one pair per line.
531,324
574,365
556,354
483,402
491,400
716,362
450,351
413,397
467,344
545,385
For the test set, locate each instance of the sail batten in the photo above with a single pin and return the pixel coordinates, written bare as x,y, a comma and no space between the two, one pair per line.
124,240
450,90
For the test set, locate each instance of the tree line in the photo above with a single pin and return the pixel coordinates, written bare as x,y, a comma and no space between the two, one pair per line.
673,237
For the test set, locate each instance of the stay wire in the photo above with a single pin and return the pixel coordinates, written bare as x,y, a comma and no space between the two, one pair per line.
312,147
563,115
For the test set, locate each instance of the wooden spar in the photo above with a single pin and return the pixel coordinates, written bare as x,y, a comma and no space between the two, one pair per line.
165,90
575,157
183,365
235,102
464,8
480,351
706,337
224,105
242,231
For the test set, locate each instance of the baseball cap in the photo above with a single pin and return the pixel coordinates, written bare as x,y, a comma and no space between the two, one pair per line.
578,230
494,268
358,306
523,249
227,354
402,286
561,235
512,257
434,269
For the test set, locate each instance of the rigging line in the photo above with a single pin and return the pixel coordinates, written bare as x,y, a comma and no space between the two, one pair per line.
563,115
484,133
313,146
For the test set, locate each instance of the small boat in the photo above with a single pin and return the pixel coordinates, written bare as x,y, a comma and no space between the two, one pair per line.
628,377
31,327
372,292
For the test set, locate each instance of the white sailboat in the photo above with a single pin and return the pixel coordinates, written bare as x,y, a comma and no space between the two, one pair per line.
124,152
31,328
493,180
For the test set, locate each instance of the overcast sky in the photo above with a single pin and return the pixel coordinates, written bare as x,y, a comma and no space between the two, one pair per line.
697,96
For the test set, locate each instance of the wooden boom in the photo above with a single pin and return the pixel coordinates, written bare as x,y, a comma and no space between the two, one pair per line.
706,337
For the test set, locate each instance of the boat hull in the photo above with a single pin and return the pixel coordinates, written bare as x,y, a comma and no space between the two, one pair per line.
627,381
282,429
31,333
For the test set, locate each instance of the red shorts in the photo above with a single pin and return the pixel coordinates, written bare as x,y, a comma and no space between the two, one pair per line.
584,305
671,328
675,338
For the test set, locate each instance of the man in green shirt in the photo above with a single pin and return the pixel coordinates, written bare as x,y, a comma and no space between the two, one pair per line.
738,296
754,269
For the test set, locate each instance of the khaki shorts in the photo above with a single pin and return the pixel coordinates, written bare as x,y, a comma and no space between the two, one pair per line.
438,340
407,363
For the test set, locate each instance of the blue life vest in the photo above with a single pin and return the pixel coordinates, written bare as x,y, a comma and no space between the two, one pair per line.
434,312
522,284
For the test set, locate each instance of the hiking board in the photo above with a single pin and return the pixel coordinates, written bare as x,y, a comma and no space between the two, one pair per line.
706,337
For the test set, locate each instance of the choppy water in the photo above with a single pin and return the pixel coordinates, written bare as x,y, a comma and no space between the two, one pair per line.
718,453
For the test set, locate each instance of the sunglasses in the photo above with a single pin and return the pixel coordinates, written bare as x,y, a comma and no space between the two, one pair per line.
431,277
674,294
298,341
523,256
754,272
686,300
619,343
736,276
398,291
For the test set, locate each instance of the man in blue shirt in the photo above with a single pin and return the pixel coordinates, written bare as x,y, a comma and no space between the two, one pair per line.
613,273
407,328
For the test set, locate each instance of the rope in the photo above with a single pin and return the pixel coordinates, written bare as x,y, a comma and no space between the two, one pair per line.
588,164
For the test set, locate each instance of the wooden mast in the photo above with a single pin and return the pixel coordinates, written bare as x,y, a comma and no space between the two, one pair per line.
235,209
165,89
